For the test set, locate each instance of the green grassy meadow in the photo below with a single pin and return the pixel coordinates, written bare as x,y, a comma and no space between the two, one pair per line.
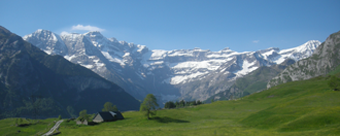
297,108
33,127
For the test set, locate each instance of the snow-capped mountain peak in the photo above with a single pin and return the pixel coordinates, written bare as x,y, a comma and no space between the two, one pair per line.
308,46
277,56
112,39
42,38
300,52
226,49
165,73
95,36
97,33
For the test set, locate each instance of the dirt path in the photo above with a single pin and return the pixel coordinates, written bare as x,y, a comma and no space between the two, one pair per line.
53,128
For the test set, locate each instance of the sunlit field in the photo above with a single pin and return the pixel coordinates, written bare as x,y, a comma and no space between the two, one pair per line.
297,108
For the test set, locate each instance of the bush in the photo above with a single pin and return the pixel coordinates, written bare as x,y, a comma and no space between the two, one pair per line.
334,83
169,105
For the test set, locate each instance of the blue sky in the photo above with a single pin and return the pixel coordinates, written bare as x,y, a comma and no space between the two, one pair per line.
242,25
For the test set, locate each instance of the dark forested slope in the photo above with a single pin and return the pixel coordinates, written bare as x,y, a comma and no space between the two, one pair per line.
33,83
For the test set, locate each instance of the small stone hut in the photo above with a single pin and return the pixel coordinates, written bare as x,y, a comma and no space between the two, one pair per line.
82,122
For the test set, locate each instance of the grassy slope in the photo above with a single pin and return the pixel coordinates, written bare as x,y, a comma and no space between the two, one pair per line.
295,108
299,106
8,128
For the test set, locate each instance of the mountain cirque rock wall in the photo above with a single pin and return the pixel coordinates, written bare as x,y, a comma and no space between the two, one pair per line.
325,59
169,75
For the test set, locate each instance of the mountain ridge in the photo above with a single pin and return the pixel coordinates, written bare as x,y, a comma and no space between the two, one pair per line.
325,59
28,74
167,74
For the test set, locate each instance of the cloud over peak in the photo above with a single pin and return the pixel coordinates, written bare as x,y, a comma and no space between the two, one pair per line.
87,28
64,33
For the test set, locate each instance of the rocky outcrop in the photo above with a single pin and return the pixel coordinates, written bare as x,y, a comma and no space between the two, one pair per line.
255,81
325,59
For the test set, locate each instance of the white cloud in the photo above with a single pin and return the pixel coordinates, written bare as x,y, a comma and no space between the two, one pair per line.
87,28
64,33
256,41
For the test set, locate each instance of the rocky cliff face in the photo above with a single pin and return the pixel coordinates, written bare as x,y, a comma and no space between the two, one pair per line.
325,58
255,81
170,75
29,78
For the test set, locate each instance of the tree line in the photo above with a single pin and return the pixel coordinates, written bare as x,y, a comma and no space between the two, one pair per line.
182,103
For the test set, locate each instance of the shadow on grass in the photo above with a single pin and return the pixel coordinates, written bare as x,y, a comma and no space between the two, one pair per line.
24,125
92,123
168,120
55,133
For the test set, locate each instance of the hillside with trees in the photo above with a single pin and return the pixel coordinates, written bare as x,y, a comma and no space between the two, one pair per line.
36,85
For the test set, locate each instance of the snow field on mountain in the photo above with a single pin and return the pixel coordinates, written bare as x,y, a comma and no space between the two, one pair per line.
246,68
183,79
157,54
113,59
109,57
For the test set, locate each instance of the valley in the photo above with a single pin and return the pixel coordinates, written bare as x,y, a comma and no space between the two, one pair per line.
304,107
307,107
169,68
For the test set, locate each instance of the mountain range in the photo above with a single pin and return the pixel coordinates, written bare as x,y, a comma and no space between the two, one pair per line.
324,60
35,84
193,74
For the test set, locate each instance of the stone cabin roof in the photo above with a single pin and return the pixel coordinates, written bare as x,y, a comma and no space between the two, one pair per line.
110,115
